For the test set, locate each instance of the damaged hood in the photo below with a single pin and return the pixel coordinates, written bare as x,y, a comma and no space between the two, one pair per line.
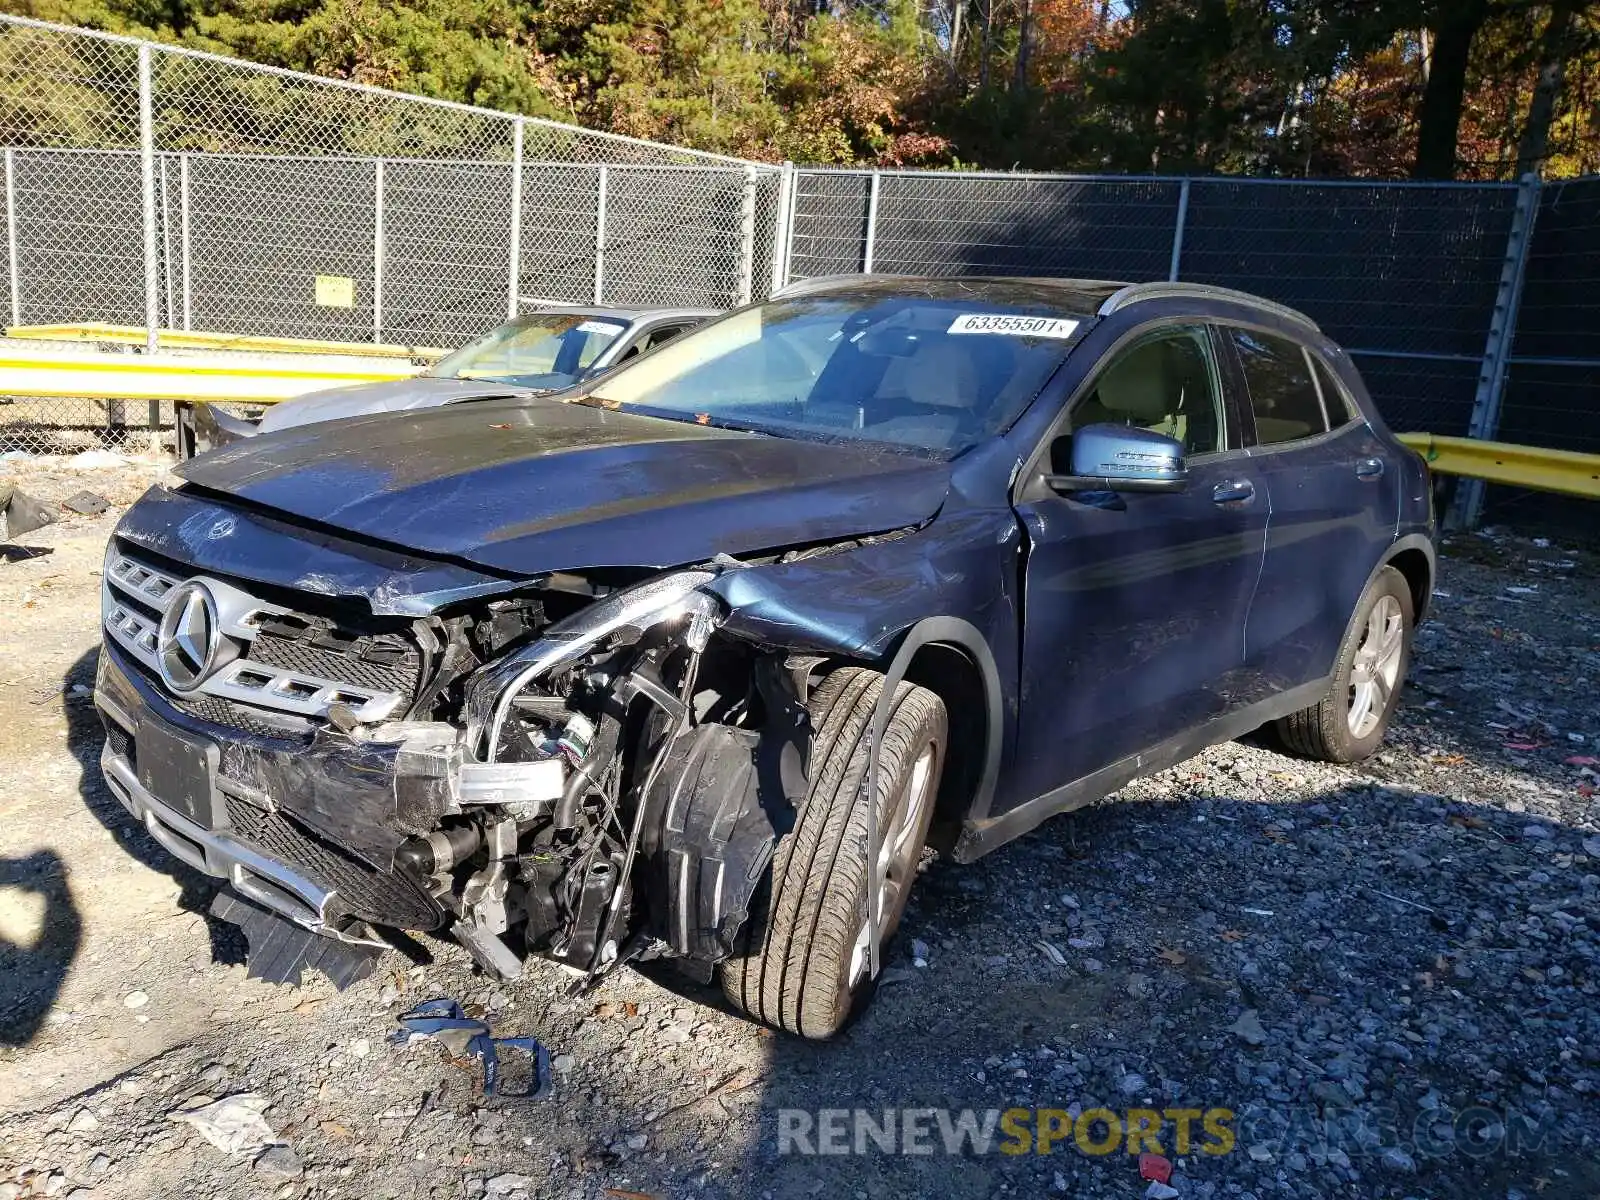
391,395
532,485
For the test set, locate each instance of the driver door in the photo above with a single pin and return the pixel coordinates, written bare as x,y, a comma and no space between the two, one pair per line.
1135,603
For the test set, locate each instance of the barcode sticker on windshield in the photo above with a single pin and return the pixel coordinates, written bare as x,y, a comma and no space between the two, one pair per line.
1013,325
598,327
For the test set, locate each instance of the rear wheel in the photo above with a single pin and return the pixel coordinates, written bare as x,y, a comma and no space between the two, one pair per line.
1349,722
805,957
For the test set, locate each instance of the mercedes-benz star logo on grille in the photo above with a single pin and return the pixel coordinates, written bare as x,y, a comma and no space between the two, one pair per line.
189,637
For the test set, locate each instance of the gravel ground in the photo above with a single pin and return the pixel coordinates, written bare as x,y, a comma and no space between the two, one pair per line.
1388,975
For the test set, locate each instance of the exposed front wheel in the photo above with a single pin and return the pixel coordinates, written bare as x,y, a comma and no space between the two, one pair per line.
1349,722
805,956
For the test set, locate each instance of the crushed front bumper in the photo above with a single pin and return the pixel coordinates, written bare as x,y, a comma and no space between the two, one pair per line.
168,771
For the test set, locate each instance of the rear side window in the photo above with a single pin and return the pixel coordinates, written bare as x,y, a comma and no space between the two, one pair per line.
1283,393
1341,409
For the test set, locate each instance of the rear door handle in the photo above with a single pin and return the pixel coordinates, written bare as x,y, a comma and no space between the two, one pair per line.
1233,491
1369,468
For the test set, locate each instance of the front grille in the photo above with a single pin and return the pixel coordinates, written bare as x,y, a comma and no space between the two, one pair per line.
241,717
121,744
386,664
278,672
382,897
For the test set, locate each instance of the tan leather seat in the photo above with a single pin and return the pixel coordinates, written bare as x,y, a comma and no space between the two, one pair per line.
1138,391
940,375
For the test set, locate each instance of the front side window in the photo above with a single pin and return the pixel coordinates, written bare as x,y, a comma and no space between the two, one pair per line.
546,351
1283,393
1165,383
929,373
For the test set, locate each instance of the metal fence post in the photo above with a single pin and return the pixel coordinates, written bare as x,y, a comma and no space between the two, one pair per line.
183,238
11,237
1467,506
166,246
147,180
147,174
747,238
781,231
870,251
600,236
1178,230
514,284
377,250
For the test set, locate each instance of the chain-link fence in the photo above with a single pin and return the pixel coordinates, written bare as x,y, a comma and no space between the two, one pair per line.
161,188
165,189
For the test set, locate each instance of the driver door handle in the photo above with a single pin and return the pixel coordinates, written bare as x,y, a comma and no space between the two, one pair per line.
1233,491
1369,468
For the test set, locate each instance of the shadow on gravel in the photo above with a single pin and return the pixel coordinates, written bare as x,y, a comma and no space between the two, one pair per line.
38,941
85,737
1387,991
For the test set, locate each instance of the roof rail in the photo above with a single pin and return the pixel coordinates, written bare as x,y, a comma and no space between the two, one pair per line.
1138,292
822,283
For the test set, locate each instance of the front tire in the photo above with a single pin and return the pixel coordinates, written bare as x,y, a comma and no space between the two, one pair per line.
1348,723
803,961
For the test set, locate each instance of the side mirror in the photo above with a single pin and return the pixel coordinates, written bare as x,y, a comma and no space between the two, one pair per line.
1122,458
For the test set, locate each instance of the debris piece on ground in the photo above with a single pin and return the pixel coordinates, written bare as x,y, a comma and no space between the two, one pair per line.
233,1124
445,1021
22,513
1154,1166
88,504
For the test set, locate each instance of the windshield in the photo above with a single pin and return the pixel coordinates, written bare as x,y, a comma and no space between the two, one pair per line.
546,351
932,373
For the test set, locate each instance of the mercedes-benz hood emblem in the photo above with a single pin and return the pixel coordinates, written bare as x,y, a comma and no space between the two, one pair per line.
189,637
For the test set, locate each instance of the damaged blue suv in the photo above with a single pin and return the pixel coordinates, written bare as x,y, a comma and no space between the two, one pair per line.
693,662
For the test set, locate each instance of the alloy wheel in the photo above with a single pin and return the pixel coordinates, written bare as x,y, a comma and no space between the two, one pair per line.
1375,672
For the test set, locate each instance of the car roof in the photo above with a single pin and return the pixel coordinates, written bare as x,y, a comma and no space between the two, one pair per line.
1086,297
1081,296
628,315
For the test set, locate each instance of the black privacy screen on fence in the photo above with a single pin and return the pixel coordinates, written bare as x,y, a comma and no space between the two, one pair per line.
1403,276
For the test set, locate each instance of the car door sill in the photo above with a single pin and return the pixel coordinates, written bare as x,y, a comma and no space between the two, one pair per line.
977,838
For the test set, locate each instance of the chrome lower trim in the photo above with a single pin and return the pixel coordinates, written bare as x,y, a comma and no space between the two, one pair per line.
268,883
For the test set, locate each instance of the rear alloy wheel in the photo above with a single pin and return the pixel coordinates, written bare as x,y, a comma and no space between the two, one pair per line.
806,953
1349,722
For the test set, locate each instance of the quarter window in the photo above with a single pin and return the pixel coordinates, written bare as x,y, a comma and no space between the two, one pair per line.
1163,383
1341,409
1283,393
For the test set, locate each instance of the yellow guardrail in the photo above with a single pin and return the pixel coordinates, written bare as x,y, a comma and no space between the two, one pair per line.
186,339
1564,471
93,376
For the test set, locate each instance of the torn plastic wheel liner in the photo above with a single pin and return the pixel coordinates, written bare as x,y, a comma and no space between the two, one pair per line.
444,1020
